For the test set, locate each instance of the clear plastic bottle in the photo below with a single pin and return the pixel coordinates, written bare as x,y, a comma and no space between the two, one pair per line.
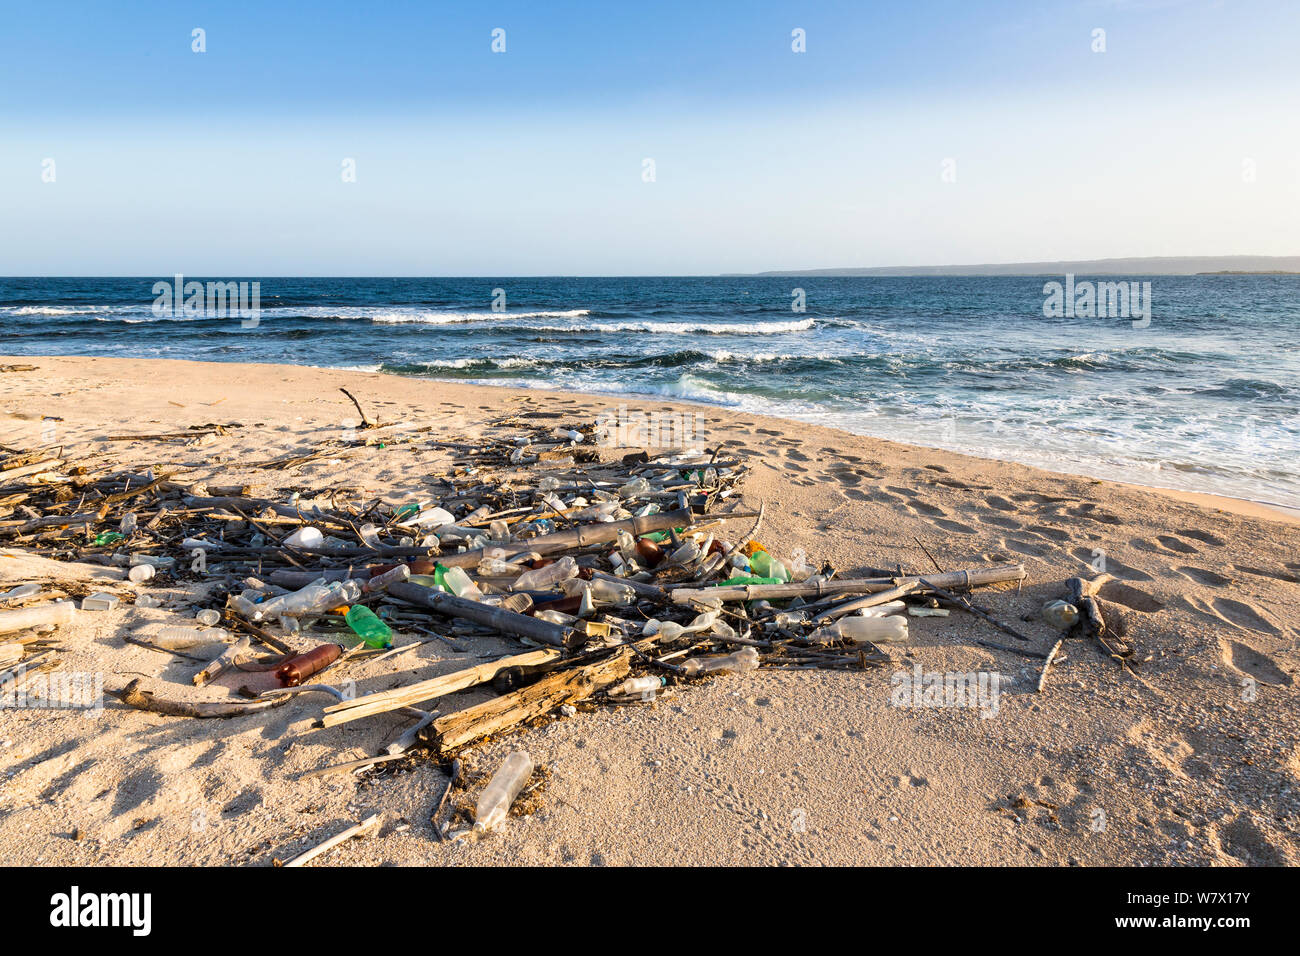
637,687
501,791
745,659
547,577
316,598
635,487
462,585
178,638
878,630
380,582
129,524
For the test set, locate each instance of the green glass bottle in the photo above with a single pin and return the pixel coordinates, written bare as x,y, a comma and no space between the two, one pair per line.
368,627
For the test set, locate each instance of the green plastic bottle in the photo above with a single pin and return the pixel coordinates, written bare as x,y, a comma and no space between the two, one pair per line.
368,627
747,579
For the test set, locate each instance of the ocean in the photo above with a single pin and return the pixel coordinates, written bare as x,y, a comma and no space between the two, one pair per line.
1205,396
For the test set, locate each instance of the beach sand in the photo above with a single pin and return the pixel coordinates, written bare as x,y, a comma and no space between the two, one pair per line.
1193,761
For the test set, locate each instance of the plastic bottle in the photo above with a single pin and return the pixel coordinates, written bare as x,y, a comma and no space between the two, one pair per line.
315,598
366,625
879,630
1060,614
610,592
179,638
502,790
307,537
766,566
128,524
549,576
297,669
637,486
745,659
462,585
380,582
141,573
637,687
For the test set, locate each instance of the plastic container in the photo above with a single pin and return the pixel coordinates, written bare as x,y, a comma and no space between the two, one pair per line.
550,576
307,537
643,687
208,617
501,791
462,585
367,626
380,582
745,659
878,630
141,573
297,669
1060,614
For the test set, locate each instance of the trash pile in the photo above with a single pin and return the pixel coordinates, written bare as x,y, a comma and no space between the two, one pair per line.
618,574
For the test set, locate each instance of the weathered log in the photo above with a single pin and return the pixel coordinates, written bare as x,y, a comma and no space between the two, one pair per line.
360,829
389,700
463,727
871,600
509,622
132,696
751,592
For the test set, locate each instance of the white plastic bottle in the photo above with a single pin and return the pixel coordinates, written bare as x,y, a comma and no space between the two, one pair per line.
501,791
878,630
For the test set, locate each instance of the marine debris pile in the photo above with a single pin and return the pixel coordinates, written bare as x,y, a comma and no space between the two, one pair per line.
616,574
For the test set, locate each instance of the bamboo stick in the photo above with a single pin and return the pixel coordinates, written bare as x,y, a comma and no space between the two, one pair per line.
751,592
361,829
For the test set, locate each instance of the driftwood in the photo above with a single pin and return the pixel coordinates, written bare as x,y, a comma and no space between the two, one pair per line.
464,727
871,600
132,696
437,810
520,625
750,592
578,537
361,829
389,700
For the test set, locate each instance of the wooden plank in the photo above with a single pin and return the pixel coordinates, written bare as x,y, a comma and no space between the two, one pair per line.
389,700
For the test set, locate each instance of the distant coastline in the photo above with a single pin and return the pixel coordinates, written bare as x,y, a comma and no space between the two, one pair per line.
1142,265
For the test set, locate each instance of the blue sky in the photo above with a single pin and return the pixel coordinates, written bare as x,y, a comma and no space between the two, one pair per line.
1179,139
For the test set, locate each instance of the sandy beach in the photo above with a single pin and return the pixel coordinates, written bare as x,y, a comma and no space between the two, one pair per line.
1193,760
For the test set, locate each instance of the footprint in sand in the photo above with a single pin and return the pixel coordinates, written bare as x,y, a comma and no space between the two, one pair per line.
1056,534
955,526
997,501
1246,660
1173,544
1233,613
921,507
1243,840
1129,596
1265,573
1110,565
1203,576
1202,536
1002,522
796,455
1243,615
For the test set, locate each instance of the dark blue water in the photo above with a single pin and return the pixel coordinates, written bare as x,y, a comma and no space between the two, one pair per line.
1205,398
